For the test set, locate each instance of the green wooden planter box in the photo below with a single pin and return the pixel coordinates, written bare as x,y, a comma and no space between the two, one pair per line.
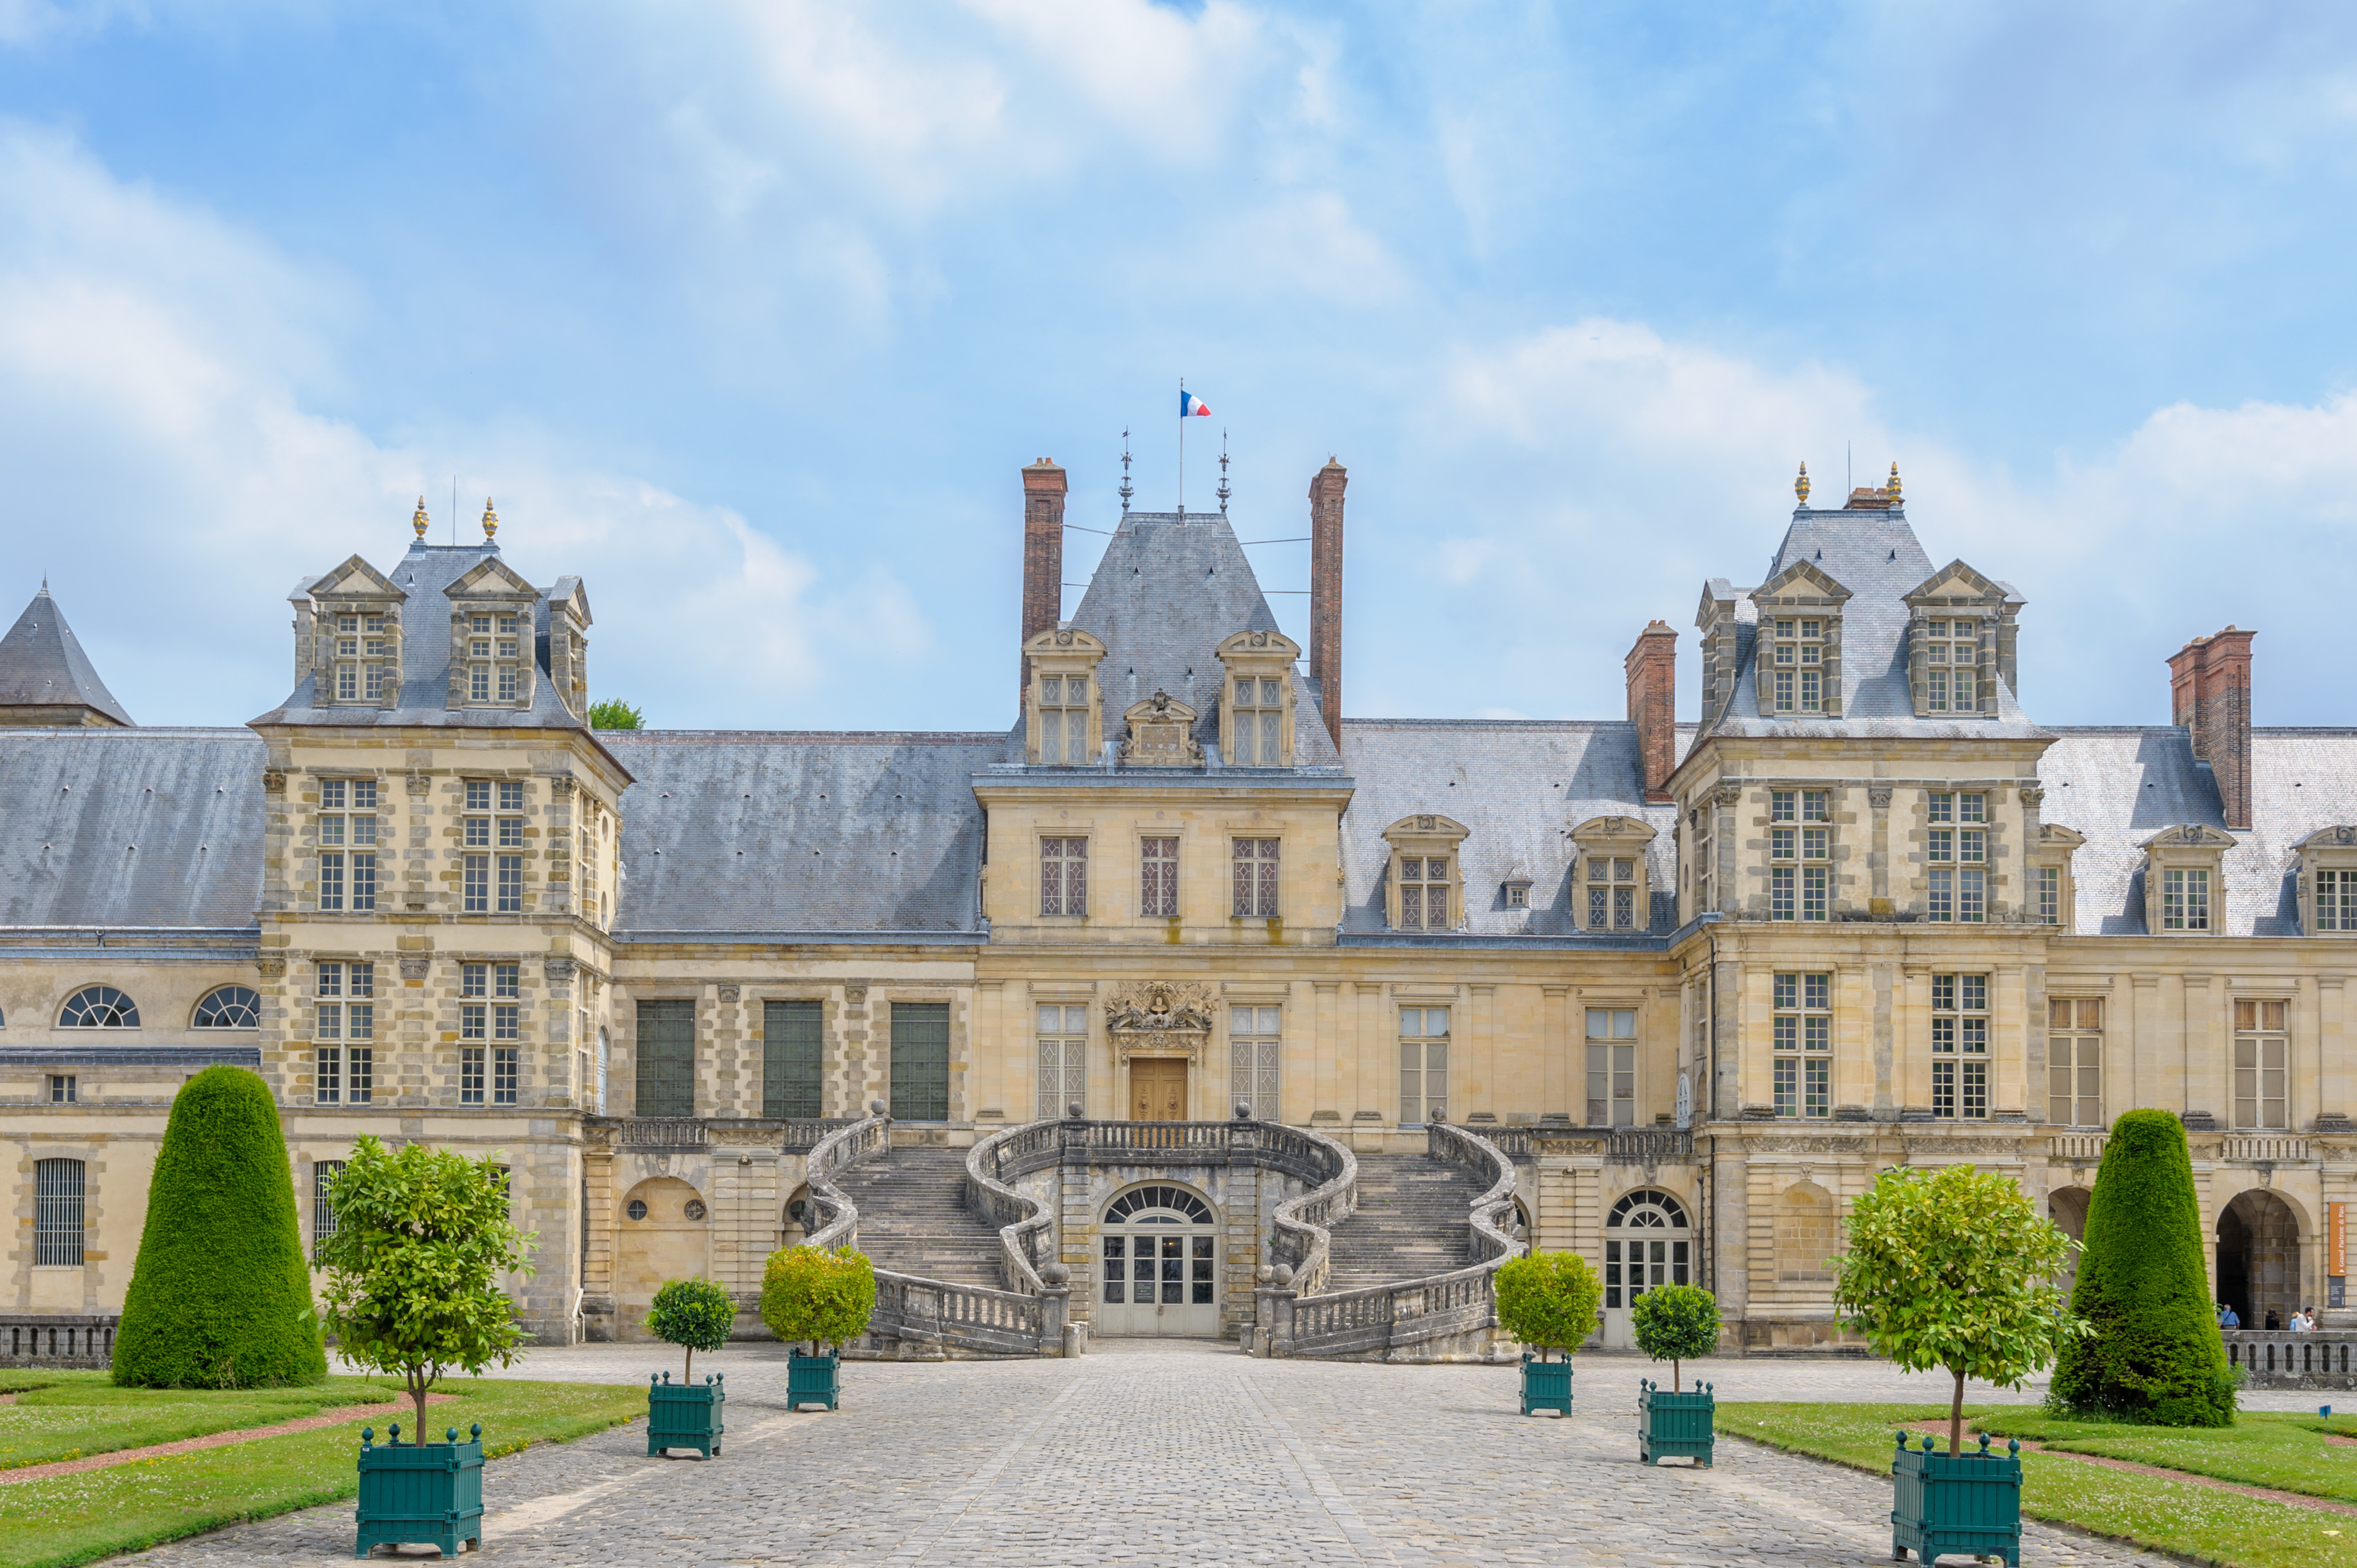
1670,1425
684,1415
415,1494
1546,1385
813,1380
1971,1503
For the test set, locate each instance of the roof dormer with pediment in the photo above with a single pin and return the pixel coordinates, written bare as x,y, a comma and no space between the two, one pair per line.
1961,643
491,638
1799,663
353,635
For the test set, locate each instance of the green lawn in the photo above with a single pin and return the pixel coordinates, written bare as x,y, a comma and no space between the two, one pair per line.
2197,1523
75,1518
82,1413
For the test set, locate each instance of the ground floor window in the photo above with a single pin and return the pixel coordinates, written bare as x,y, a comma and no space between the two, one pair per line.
921,1062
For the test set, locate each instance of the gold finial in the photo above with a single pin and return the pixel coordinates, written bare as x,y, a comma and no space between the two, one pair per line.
491,519
418,521
1894,484
1800,485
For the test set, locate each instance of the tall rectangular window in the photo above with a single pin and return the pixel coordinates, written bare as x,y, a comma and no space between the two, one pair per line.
666,1081
1611,893
363,881
332,880
510,884
2185,899
1951,650
2336,900
327,1075
1063,1044
1960,1031
1423,1065
1259,722
791,1045
1255,1046
323,1210
2262,1055
470,1073
1780,892
1611,1066
477,885
1800,649
1815,882
1256,879
1157,877
1423,893
2075,1062
1063,876
2049,895
921,1062
1803,1042
359,1075
1940,903
507,1074
57,1213
1064,719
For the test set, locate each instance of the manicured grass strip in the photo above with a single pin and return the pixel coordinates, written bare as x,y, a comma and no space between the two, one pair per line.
76,1518
2189,1521
17,1380
76,1419
2286,1452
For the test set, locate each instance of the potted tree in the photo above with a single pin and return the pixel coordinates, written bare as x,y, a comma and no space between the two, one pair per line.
1956,1268
1674,1324
697,1314
812,1296
422,1239
1548,1300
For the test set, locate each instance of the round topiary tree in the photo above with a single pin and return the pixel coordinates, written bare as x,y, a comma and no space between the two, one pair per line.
1676,1324
2153,1353
1548,1300
694,1313
814,1296
220,1297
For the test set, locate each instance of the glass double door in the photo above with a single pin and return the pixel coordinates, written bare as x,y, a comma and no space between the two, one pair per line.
1158,1279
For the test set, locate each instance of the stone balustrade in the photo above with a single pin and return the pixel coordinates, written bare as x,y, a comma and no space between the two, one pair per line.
2279,1358
58,1340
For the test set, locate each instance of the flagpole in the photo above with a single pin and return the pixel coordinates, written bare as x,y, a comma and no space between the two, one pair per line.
1182,446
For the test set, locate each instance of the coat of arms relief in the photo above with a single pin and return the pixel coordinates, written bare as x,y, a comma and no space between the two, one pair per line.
1160,1018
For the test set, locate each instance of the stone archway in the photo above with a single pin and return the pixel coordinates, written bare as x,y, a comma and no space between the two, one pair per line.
2258,1258
2067,1206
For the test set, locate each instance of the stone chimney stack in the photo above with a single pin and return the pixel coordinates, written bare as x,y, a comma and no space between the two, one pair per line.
1652,670
2209,694
1326,593
1043,557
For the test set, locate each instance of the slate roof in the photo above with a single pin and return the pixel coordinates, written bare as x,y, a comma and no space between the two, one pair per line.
1520,786
131,827
2119,785
745,832
424,573
42,664
1876,555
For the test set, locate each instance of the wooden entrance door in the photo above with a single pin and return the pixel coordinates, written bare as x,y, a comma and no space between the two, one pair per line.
1157,1089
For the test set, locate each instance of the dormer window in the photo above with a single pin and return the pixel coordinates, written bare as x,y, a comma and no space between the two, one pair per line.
1064,719
2184,892
1427,874
1611,893
1950,652
1257,706
2327,881
491,654
1799,657
2051,891
1800,665
1960,642
1618,895
1259,722
1424,888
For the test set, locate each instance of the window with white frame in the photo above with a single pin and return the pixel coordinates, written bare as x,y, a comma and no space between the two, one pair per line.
1063,1039
2075,1062
1957,848
1157,877
1064,875
1255,878
64,1089
1423,893
1612,889
2336,900
1255,1048
1423,1065
1800,655
361,651
343,1027
2184,898
1611,1066
348,839
99,1007
1258,721
1064,719
1960,1032
1803,1041
1951,657
2262,1063
2049,895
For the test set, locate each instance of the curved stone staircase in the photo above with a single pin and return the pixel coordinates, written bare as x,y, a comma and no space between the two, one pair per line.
1410,1223
913,1218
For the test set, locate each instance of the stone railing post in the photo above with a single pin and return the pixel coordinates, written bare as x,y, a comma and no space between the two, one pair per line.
1273,1300
1055,1304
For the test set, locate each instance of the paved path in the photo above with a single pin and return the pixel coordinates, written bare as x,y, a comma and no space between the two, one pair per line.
1142,1454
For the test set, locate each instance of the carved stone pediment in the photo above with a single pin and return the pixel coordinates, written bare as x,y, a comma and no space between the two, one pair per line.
1161,734
1160,1018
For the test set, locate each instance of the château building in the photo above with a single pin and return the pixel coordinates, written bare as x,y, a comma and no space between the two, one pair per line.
1238,1016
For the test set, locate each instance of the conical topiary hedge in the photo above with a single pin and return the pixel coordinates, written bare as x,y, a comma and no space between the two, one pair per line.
220,1297
2153,1352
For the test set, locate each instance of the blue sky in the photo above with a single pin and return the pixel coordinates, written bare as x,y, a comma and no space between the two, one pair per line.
749,313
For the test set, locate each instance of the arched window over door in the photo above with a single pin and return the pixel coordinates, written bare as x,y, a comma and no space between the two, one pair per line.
1648,1241
1158,1272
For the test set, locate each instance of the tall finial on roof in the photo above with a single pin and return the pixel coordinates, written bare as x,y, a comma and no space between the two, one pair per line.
418,521
1800,485
1893,489
491,519
1127,489
1224,491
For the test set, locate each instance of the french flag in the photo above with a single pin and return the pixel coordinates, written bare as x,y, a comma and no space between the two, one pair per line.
1188,404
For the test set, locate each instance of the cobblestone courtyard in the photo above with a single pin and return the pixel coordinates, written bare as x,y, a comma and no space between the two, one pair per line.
1149,1453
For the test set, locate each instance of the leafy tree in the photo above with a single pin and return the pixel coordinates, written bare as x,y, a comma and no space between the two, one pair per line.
695,1312
2153,1353
1675,1323
1548,1299
1955,1268
422,1237
219,1296
812,1296
616,713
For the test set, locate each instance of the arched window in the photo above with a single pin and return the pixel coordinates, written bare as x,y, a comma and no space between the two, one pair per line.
1808,1233
56,1213
1177,1199
1647,1211
231,1007
99,1007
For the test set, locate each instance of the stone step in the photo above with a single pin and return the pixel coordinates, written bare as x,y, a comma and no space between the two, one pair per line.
913,1219
1411,1221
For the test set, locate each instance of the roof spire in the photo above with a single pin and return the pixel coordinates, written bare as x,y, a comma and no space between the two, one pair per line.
418,521
1127,489
1224,493
1800,485
491,519
1893,489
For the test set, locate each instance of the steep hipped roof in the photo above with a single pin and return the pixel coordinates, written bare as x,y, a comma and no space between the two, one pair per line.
42,664
800,832
131,827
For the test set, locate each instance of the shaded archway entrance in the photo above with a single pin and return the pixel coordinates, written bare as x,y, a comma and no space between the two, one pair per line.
2068,1208
2258,1259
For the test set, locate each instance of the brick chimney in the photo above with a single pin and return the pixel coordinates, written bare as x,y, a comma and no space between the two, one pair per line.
1043,556
1326,591
1652,670
2209,694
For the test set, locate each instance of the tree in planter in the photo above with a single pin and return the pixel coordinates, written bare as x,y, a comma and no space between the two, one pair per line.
695,1312
2153,1351
810,1295
1675,1323
1955,1268
219,1296
422,1237
1548,1299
